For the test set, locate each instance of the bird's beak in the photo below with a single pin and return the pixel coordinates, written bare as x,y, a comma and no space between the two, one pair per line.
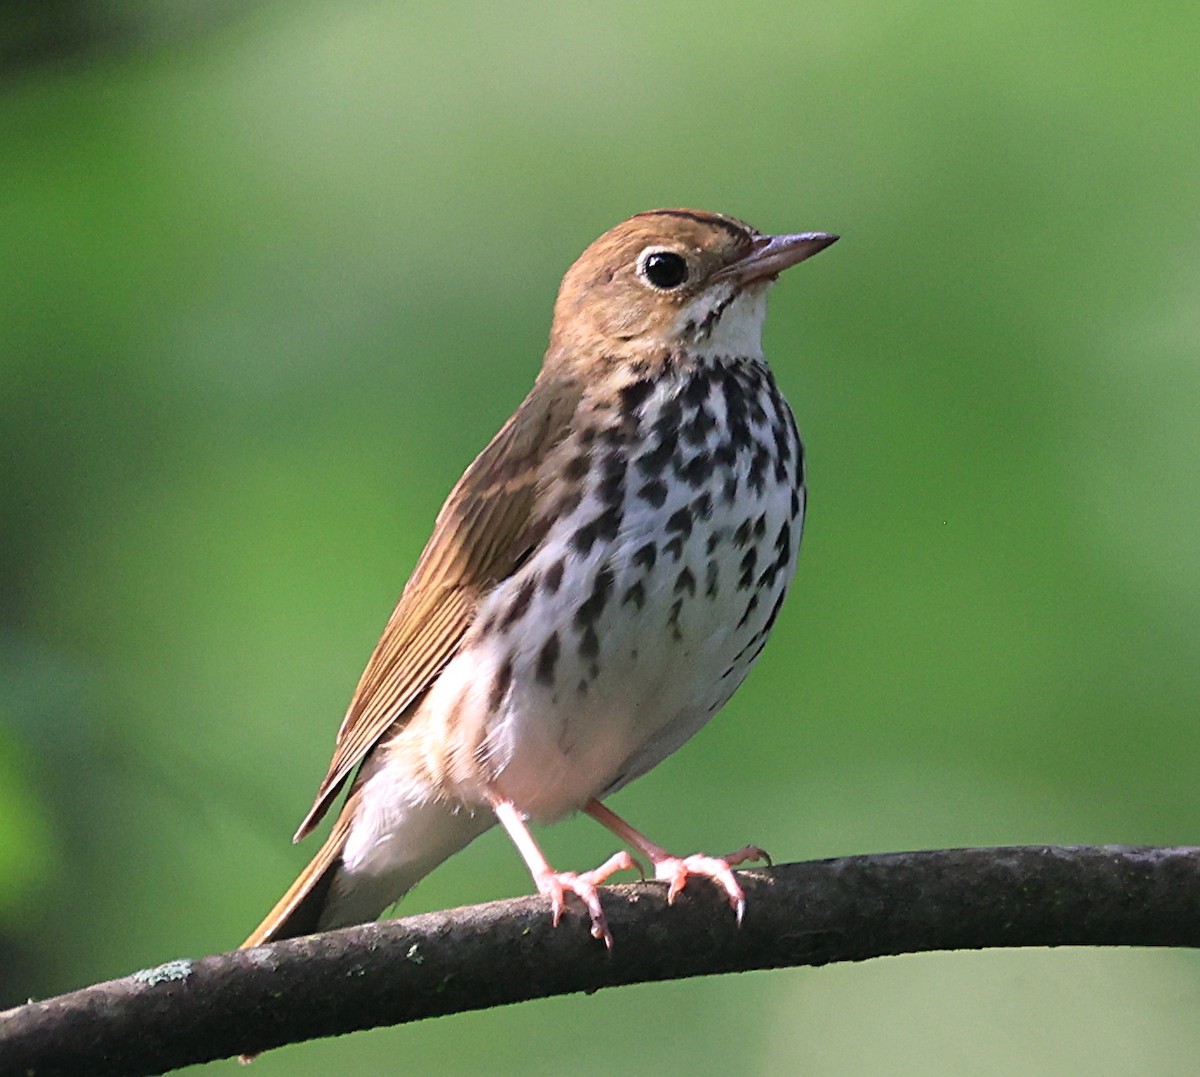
771,255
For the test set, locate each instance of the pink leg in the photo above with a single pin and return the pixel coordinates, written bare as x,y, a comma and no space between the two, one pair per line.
675,869
557,884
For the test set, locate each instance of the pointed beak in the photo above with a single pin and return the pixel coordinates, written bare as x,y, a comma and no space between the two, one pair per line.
771,255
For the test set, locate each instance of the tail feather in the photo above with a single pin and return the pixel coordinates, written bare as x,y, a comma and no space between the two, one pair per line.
398,840
299,911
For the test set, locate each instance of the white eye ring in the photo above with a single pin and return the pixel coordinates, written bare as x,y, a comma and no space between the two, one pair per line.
662,268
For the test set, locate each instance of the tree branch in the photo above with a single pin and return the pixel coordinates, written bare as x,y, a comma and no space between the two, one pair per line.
489,955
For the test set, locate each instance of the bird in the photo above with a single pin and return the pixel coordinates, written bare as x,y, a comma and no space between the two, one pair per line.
598,584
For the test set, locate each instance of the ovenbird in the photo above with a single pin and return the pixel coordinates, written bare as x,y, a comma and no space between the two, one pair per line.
597,585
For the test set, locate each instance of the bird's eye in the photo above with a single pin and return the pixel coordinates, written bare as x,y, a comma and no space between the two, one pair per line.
662,269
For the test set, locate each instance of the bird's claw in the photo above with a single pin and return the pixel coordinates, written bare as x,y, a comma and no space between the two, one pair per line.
557,884
676,870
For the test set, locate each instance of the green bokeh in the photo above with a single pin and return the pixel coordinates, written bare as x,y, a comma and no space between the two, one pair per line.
265,290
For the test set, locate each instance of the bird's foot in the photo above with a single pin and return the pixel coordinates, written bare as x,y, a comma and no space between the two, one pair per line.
557,884
676,870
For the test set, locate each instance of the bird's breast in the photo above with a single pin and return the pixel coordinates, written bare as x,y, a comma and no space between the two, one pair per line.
675,515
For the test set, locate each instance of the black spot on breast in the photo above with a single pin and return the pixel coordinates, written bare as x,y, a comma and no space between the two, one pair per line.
612,482
674,547
714,539
751,606
605,526
685,581
680,522
698,386
742,535
553,578
783,545
654,492
547,660
729,489
589,643
500,685
634,395
696,470
696,430
749,560
795,503
781,464
784,433
667,421
673,619
590,609
756,473
636,594
736,421
520,604
654,461
645,556
712,576
760,525
750,645
702,506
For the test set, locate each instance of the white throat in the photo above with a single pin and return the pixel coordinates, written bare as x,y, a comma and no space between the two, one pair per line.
737,328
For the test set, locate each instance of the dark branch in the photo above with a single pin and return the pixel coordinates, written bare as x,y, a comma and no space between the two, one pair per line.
490,955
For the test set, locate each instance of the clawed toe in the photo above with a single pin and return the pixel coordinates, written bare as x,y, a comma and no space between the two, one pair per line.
747,854
676,870
557,884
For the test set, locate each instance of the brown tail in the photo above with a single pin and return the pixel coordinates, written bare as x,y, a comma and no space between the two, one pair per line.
298,912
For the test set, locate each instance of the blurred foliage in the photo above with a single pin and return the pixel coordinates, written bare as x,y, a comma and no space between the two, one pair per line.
36,34
265,289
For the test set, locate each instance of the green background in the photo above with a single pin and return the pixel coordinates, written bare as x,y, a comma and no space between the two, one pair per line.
267,284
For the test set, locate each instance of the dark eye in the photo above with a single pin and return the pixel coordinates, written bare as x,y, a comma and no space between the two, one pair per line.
664,269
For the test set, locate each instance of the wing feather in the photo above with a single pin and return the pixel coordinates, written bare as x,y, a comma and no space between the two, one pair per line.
483,532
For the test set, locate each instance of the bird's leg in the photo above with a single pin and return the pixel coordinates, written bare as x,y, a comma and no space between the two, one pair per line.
557,884
676,869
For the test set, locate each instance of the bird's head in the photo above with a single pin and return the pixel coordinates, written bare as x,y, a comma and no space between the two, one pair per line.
673,278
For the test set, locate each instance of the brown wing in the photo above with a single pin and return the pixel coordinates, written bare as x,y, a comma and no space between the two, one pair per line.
485,529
